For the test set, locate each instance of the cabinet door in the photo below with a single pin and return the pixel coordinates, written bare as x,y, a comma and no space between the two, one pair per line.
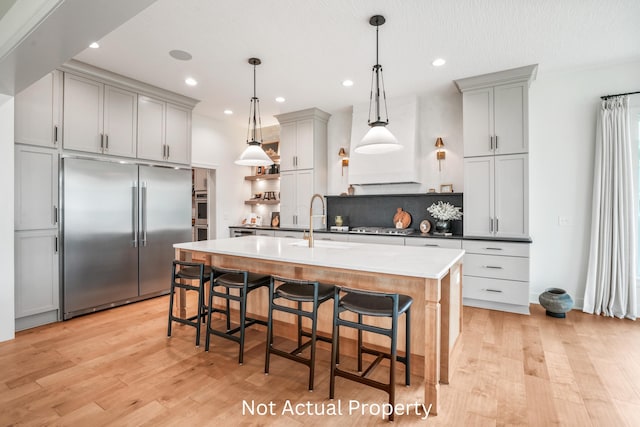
38,112
478,196
36,188
511,196
178,134
477,122
510,110
36,265
304,144
120,121
304,192
83,114
288,139
288,199
151,114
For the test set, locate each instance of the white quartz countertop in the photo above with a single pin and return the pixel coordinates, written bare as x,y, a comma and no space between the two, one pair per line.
427,262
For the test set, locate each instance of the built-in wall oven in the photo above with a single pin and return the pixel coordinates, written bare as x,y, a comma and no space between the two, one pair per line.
201,208
200,232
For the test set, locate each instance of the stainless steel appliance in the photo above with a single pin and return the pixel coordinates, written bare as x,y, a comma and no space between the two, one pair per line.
241,232
119,222
201,232
202,207
383,230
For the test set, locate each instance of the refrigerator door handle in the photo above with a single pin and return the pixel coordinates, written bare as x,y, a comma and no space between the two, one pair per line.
143,213
134,212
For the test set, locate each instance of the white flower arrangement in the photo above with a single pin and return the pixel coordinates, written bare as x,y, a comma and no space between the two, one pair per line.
444,211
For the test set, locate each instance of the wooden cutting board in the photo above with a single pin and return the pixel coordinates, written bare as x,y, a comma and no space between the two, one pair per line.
401,219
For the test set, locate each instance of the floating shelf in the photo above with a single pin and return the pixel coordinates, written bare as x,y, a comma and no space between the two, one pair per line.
261,202
260,177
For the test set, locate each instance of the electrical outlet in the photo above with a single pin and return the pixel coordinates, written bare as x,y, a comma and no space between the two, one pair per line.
563,221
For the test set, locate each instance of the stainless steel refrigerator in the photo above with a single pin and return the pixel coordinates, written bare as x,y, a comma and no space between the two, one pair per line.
119,222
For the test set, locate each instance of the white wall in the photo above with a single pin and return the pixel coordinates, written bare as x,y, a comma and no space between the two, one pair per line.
7,321
439,115
215,145
562,140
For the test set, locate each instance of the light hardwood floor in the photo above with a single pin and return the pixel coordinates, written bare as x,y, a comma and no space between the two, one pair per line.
118,368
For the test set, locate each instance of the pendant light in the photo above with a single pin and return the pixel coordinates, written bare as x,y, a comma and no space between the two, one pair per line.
254,155
378,139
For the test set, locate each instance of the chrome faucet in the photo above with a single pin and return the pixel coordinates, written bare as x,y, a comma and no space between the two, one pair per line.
311,216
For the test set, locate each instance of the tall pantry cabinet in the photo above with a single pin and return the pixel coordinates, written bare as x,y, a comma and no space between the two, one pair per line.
303,164
495,114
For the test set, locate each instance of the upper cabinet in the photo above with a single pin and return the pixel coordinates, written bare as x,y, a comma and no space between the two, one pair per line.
303,139
164,131
105,113
99,118
495,112
38,112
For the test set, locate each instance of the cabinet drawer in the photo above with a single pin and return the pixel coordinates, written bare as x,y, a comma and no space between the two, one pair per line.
384,240
269,233
497,267
505,291
436,243
289,234
491,247
331,236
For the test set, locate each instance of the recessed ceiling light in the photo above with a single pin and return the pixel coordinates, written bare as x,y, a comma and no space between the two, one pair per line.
94,45
280,99
228,112
190,81
347,83
180,55
438,62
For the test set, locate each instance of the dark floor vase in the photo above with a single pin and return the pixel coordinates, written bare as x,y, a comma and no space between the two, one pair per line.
556,301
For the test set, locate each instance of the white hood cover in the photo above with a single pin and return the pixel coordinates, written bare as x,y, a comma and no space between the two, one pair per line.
395,167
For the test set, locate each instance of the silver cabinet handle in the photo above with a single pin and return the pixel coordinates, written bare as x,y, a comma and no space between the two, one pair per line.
496,139
168,151
497,225
55,245
106,139
491,142
55,214
164,151
494,249
143,214
497,291
101,141
55,134
491,225
134,211
495,267
431,245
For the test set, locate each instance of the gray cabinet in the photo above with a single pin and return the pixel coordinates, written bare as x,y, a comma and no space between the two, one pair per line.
36,188
38,112
99,118
164,131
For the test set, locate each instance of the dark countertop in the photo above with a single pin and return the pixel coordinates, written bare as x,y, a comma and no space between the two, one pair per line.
413,235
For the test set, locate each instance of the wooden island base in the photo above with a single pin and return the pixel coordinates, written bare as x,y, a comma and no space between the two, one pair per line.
436,313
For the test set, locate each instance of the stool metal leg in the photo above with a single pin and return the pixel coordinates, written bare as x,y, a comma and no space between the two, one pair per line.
359,344
267,357
407,350
334,348
171,293
243,316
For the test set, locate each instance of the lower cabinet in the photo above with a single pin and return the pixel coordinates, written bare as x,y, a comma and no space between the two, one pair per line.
269,233
496,275
368,238
37,290
289,234
336,237
433,242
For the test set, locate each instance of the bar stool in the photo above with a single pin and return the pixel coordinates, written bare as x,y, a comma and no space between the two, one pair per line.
299,291
189,271
377,304
244,282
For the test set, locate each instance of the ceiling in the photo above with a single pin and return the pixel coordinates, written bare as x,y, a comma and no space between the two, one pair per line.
309,47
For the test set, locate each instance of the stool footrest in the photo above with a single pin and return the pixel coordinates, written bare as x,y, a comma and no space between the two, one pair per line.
361,379
373,365
399,358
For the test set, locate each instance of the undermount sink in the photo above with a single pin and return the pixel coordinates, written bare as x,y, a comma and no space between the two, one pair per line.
329,244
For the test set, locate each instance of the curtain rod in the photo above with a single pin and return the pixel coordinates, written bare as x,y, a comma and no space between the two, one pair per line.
619,94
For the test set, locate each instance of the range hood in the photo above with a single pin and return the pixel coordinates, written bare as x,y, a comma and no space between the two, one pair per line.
399,167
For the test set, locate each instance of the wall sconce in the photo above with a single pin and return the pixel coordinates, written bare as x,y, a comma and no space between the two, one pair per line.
440,153
345,158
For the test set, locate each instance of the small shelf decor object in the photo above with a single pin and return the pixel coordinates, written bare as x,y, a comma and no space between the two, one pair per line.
444,213
556,301
446,188
275,219
425,226
271,148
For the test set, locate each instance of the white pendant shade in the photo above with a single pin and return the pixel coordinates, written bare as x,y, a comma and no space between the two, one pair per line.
254,155
378,140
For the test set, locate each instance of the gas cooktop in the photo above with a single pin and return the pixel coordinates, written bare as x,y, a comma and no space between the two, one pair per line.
383,230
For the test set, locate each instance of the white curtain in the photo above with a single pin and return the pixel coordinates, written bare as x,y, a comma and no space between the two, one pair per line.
611,276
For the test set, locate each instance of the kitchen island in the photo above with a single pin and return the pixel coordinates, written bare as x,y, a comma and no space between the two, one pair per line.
431,276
